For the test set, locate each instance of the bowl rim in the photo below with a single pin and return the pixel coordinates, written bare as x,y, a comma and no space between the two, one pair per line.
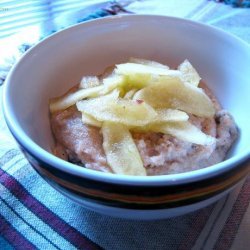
172,179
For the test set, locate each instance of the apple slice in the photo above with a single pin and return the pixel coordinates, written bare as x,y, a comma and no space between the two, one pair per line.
130,94
89,82
65,101
139,75
175,94
184,131
147,62
127,112
113,81
89,120
170,115
135,68
122,154
189,74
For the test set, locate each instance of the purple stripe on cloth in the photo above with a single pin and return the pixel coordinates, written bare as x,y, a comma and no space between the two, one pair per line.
60,226
195,229
29,224
16,240
230,229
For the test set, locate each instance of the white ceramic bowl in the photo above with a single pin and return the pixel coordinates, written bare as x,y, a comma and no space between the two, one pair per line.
57,63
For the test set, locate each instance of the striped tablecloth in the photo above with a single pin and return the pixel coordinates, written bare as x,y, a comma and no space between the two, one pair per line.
35,216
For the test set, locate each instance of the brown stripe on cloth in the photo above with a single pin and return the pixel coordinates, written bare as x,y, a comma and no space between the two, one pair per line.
230,229
17,240
60,226
198,224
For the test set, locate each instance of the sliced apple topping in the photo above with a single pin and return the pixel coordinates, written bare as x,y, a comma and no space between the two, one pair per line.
189,73
90,120
175,94
89,82
147,62
127,112
141,75
63,102
184,131
122,154
170,115
142,96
